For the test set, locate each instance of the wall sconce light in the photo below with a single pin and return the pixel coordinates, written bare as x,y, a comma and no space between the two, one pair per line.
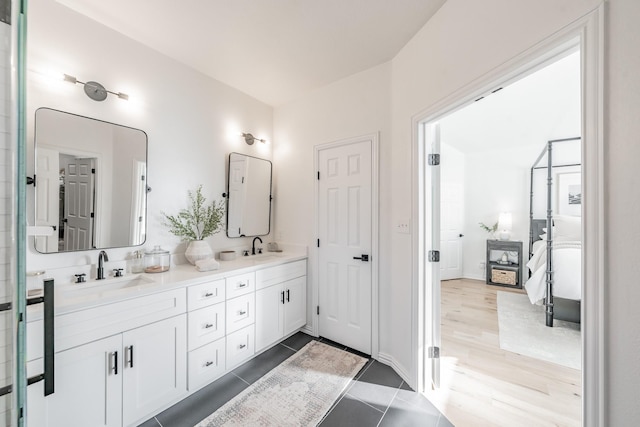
95,90
250,139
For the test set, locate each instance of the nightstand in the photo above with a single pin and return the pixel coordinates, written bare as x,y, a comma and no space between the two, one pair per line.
509,273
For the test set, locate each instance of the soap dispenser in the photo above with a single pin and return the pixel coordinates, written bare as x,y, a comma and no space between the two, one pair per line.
136,263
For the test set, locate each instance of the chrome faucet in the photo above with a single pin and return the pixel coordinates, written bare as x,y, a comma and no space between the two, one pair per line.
102,257
253,245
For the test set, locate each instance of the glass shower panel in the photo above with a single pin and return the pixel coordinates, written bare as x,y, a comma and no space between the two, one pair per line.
7,218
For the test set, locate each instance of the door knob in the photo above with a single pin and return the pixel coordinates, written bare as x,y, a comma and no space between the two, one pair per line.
364,257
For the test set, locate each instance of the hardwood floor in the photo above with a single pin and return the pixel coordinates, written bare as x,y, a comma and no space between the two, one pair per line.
482,385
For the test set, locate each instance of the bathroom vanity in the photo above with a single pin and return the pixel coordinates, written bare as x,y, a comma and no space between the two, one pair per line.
130,347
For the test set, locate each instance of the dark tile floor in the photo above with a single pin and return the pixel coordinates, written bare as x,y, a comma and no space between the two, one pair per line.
377,396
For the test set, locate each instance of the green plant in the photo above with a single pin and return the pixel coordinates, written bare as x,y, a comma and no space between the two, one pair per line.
488,229
199,220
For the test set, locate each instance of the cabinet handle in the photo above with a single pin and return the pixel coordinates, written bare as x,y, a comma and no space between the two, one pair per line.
208,294
282,296
242,312
130,350
209,363
208,325
242,285
114,361
242,346
288,299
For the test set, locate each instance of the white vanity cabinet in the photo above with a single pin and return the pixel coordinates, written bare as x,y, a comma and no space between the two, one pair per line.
119,379
281,302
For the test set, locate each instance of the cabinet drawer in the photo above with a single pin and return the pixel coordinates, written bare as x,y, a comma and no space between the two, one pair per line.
206,325
83,326
280,273
206,364
205,294
240,284
240,312
240,346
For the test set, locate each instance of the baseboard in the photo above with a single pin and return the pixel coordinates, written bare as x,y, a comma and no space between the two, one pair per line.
474,277
308,330
390,361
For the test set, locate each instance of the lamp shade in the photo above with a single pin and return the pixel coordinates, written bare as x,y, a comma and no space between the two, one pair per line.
505,221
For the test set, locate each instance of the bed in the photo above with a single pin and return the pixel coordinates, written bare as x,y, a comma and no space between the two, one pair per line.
555,249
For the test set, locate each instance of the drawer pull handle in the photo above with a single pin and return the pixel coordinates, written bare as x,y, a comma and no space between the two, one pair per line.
242,285
242,346
208,325
242,312
208,294
209,363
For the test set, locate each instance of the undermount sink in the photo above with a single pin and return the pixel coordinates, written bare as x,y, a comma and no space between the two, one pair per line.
109,284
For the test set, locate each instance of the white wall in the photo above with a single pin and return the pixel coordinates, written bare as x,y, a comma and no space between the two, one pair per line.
355,106
495,181
192,121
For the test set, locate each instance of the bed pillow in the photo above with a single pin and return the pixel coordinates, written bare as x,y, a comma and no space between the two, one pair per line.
567,228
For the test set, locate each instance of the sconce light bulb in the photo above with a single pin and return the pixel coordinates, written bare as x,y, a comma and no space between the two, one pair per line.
70,79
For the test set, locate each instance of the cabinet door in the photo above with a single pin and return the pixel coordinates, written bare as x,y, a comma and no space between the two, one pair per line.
295,308
88,388
155,367
269,316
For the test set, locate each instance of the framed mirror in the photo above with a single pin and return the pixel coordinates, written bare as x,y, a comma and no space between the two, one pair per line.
90,183
248,196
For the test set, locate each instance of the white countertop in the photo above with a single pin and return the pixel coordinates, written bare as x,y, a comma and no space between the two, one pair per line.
70,297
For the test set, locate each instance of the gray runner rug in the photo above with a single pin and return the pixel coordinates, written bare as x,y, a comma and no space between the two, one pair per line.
298,392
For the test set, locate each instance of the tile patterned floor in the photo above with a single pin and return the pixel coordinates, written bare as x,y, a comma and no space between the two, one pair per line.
376,397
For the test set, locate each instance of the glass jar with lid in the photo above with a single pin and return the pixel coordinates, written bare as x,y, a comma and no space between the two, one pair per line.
157,260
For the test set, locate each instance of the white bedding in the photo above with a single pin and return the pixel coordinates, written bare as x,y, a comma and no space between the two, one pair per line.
567,277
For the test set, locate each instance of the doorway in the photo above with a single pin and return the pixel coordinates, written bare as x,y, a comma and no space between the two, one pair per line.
427,293
347,242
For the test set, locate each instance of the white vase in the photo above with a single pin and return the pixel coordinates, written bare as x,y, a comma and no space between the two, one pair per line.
197,250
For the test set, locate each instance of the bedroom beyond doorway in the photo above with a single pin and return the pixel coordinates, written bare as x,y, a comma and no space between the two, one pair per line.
501,180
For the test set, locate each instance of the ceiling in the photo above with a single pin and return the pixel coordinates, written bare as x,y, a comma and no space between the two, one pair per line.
542,106
273,50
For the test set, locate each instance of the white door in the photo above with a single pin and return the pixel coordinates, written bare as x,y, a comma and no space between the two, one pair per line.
47,197
78,204
451,212
155,367
88,388
344,225
430,262
237,175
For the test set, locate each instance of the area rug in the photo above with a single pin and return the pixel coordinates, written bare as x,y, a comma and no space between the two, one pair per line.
522,330
298,392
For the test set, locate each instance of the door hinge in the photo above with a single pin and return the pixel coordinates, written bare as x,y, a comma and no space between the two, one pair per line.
142,177
31,181
92,215
434,352
93,170
433,159
433,256
318,243
318,175
318,310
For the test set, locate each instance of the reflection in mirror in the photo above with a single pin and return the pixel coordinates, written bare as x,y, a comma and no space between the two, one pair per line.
90,183
249,196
